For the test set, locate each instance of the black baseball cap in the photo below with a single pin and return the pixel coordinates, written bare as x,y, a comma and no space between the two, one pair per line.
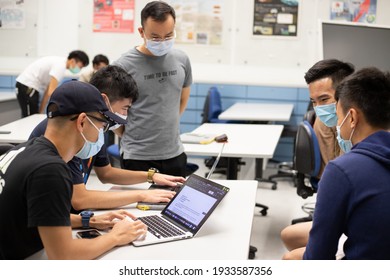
75,97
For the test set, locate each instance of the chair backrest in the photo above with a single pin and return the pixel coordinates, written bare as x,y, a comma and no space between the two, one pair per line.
307,159
310,117
212,107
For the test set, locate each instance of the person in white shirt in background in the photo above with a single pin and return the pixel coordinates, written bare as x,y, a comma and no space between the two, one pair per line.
36,83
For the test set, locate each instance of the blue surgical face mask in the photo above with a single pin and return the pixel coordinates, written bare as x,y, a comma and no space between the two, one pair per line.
159,48
345,145
75,70
327,114
91,148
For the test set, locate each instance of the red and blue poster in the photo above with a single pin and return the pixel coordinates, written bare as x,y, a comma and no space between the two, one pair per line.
113,16
363,11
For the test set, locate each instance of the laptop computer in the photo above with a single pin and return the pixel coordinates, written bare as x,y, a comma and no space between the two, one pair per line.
161,205
185,214
157,205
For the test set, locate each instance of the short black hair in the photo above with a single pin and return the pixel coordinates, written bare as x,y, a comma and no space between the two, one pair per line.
100,58
369,91
79,56
158,11
335,69
116,83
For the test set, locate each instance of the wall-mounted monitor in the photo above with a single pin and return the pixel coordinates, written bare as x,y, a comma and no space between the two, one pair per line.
362,45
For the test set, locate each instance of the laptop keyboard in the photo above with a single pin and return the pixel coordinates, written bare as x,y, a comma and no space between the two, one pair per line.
159,227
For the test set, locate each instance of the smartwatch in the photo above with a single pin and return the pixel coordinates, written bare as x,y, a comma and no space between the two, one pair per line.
151,172
85,217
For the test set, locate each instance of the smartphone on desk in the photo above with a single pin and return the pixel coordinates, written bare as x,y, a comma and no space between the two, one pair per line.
89,234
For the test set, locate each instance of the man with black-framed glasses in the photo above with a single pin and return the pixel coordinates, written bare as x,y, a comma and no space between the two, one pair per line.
151,138
36,183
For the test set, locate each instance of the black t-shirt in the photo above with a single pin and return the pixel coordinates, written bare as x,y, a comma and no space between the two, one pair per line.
35,190
80,168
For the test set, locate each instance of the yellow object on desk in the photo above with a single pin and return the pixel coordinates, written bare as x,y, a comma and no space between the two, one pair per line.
194,138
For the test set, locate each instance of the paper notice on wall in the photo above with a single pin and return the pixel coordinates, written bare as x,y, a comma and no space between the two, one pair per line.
12,14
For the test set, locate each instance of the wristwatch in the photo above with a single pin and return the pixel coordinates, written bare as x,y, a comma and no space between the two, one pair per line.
151,172
85,217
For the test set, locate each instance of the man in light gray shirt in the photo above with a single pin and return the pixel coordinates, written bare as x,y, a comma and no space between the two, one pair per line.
151,138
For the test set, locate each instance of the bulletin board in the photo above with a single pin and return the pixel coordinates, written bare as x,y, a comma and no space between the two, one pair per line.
199,22
275,17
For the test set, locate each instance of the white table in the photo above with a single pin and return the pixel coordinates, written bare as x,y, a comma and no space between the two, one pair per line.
20,129
264,112
257,141
9,107
7,96
225,236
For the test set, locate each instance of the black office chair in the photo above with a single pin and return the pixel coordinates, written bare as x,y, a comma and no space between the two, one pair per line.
5,147
285,170
211,110
307,163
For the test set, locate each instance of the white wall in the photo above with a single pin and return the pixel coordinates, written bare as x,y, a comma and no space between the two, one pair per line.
240,47
66,25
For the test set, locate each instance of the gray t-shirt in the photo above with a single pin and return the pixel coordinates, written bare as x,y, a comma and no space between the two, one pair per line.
152,131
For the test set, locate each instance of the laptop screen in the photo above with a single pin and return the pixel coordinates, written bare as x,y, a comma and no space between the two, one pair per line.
194,203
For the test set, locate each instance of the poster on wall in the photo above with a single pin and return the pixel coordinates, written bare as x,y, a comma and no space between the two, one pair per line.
198,21
113,16
12,14
354,10
275,17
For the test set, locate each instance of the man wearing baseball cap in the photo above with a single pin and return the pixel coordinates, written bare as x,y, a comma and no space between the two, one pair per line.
36,184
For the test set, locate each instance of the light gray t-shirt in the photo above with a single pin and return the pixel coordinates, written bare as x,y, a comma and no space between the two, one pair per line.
152,131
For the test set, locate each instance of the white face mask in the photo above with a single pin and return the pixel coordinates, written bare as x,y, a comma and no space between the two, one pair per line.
118,125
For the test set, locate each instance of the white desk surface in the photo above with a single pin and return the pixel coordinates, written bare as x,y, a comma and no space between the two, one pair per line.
7,96
20,129
225,236
244,140
258,112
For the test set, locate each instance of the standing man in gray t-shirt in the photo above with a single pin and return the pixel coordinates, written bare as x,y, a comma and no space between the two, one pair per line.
151,138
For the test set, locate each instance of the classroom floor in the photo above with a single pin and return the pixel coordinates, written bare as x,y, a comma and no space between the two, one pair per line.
284,205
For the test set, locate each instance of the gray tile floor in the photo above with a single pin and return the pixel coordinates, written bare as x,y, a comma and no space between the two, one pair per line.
284,205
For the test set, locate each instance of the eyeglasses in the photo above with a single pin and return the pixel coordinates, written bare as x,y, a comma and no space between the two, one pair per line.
105,123
159,40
